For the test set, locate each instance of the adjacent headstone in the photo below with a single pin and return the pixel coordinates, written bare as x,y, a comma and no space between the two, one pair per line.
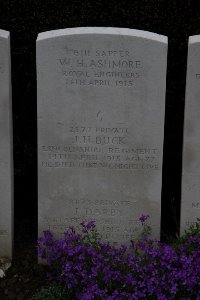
6,161
190,206
101,103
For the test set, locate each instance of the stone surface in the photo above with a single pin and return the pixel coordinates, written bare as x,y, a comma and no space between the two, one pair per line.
101,101
6,164
190,203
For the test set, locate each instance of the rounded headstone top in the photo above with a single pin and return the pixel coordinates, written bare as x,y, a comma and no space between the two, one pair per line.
194,39
4,34
103,30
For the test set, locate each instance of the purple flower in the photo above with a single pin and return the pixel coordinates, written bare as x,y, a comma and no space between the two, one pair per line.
143,218
148,269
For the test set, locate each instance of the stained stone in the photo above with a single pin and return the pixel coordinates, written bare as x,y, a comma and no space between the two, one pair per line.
190,205
101,103
6,162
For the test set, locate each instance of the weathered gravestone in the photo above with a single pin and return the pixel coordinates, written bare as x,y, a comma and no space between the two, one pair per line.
190,206
101,102
6,172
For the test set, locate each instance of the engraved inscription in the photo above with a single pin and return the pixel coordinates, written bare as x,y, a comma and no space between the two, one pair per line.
84,67
100,147
109,214
196,205
111,228
3,232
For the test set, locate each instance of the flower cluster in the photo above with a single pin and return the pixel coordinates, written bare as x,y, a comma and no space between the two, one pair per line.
147,269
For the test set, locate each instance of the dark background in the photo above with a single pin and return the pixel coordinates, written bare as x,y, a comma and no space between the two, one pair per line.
26,18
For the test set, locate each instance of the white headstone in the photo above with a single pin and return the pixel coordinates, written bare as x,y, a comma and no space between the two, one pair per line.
6,161
190,203
101,103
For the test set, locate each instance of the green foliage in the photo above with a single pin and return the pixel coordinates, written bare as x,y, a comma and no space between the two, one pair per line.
54,291
146,231
91,238
185,240
193,230
146,228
